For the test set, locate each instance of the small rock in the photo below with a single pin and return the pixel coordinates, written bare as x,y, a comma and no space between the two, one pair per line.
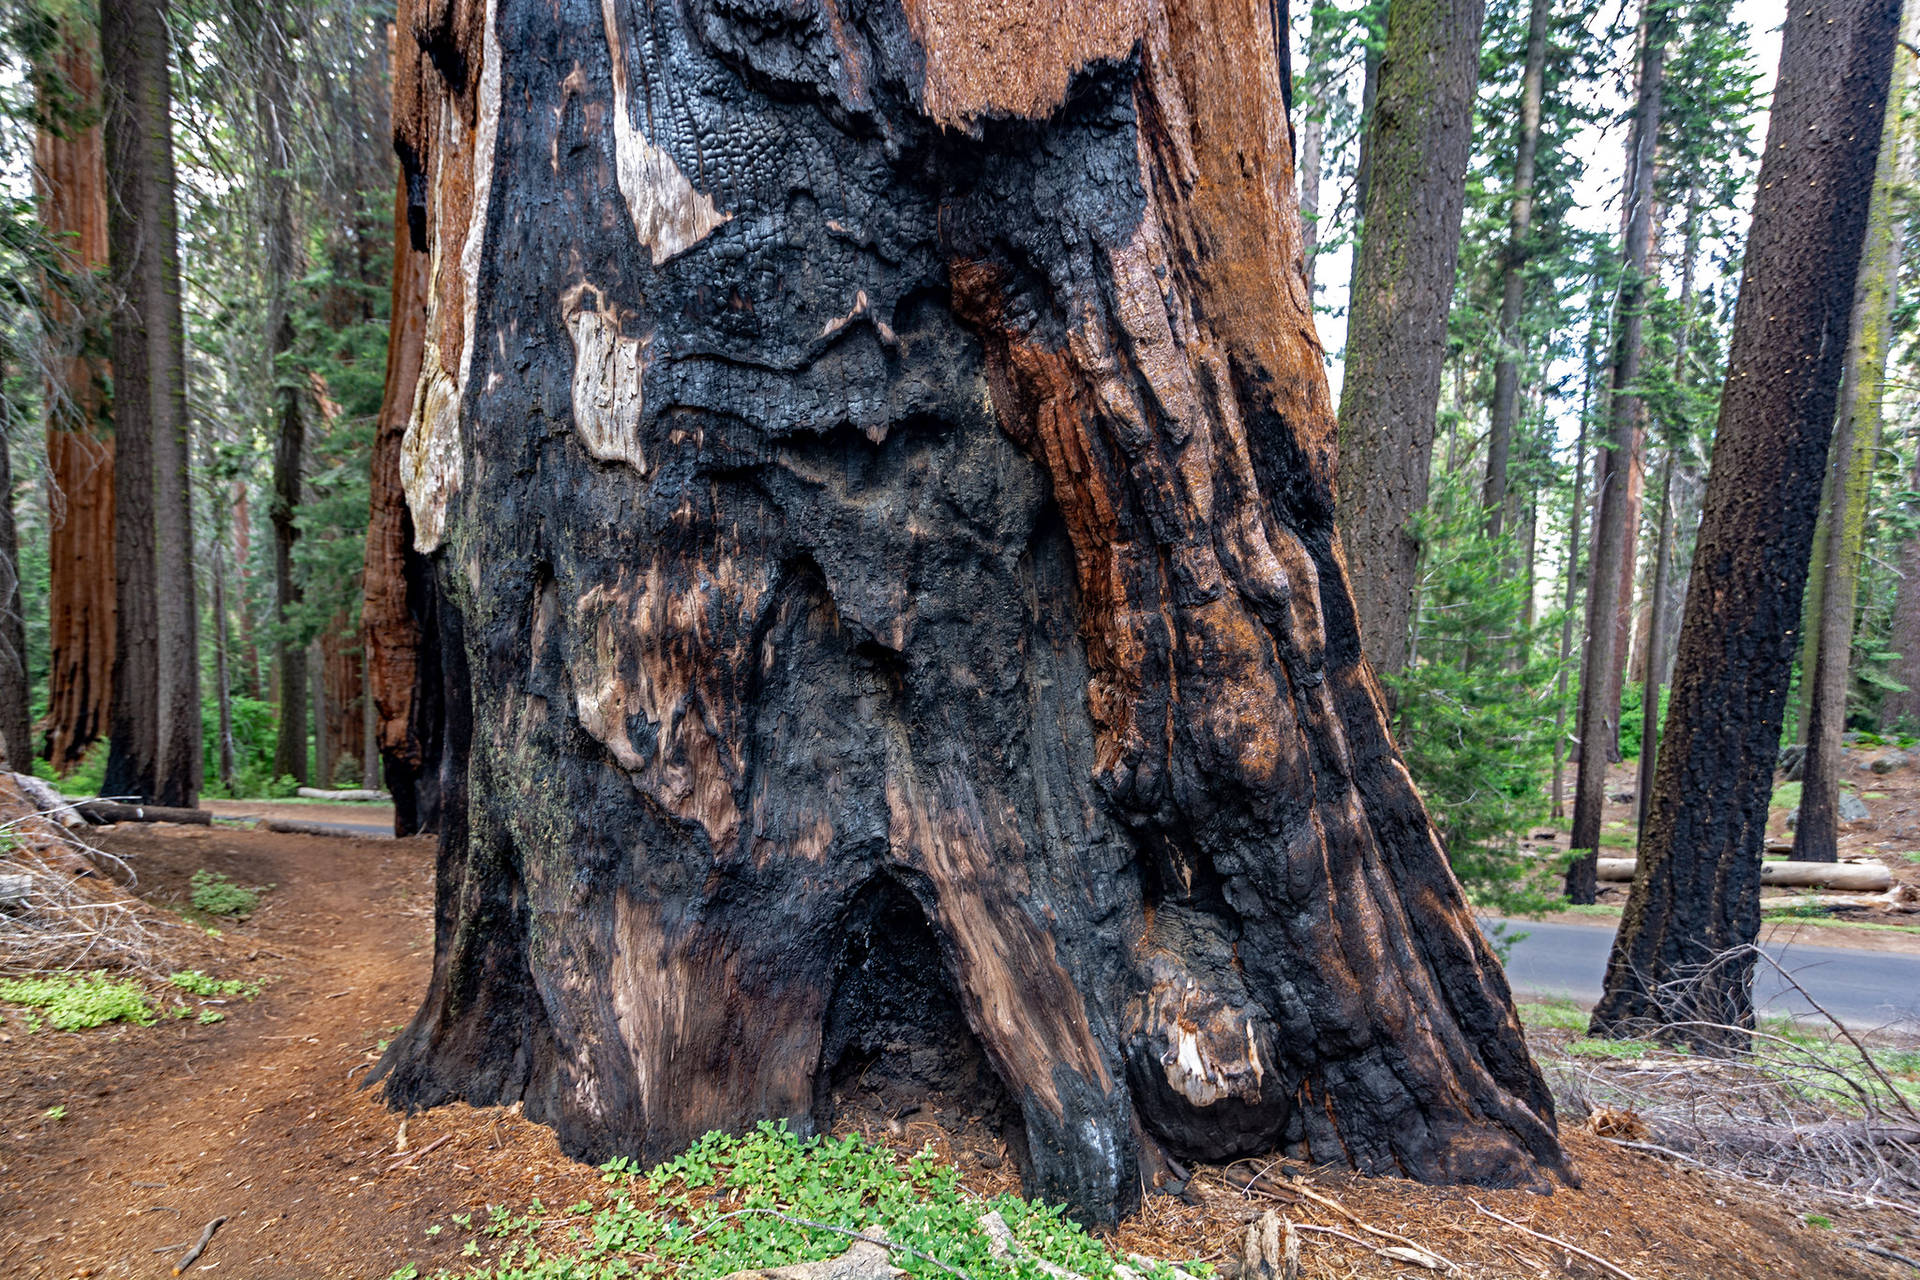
1891,761
1621,797
1853,809
993,1160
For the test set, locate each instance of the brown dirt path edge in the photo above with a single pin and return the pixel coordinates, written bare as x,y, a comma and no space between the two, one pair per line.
260,1119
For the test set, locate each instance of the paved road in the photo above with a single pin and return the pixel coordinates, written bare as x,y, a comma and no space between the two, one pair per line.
1864,989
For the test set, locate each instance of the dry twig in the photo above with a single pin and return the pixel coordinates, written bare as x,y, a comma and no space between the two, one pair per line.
1594,1258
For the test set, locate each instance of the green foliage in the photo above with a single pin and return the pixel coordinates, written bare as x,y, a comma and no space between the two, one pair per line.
1477,701
255,724
733,1203
217,895
76,1001
83,781
1629,1050
200,984
1554,1015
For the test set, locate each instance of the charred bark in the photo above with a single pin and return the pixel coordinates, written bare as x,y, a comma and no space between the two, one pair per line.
1417,143
1696,894
880,504
16,743
154,749
70,183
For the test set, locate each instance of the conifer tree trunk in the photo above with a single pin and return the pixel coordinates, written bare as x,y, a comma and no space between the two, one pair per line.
1696,894
1839,539
70,175
1418,138
1610,573
1513,276
399,613
880,503
1572,599
16,728
275,98
154,748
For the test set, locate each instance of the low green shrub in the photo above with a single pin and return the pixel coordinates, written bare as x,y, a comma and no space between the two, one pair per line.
76,1001
217,895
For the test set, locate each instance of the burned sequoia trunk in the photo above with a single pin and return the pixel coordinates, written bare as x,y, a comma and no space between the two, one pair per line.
876,469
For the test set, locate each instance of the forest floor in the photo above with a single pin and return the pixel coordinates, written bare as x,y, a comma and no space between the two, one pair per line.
119,1144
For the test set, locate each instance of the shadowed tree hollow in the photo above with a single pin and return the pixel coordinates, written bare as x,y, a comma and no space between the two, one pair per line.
876,468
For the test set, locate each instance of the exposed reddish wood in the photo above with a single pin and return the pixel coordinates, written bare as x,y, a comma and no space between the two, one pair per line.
70,184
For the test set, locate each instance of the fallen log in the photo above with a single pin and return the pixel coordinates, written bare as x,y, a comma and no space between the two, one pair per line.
101,812
356,795
1859,877
294,827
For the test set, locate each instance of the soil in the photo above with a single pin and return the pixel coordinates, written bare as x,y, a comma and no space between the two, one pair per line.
261,1119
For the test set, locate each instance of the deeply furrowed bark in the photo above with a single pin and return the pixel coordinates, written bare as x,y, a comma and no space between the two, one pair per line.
398,611
889,593
154,746
1678,960
1418,138
70,183
15,714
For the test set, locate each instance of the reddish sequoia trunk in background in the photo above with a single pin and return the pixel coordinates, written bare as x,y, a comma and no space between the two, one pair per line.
398,612
890,595
1696,894
71,185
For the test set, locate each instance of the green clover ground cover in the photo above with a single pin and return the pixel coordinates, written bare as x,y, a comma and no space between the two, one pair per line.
692,1225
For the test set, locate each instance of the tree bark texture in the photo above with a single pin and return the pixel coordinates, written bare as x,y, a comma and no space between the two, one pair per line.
1696,894
71,187
16,716
1572,591
1839,540
889,593
398,613
1505,412
274,106
1418,139
154,750
1617,482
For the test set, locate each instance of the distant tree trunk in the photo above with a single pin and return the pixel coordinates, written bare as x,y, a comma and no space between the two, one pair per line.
400,611
1418,139
1696,894
1372,15
1610,574
275,98
154,750
1658,659
369,736
1570,605
242,559
16,716
1856,440
1901,709
222,664
1513,271
70,176
1313,127
322,724
823,530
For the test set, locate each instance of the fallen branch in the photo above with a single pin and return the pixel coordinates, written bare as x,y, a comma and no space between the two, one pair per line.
291,827
411,1156
200,1245
1594,1258
104,811
354,795
1396,1253
1349,1215
1880,1252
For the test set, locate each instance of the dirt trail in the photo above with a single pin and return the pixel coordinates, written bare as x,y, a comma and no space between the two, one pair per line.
260,1119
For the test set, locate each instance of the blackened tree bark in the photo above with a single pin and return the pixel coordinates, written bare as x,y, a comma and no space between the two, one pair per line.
1617,514
154,747
890,593
1696,895
1513,271
1417,143
399,612
70,184
1839,539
